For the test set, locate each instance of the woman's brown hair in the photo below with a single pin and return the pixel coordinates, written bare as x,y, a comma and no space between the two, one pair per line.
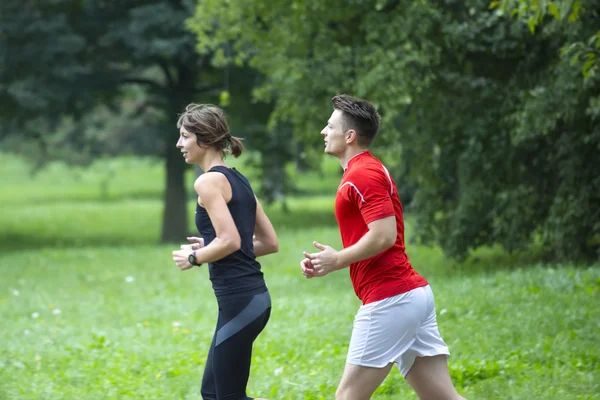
209,124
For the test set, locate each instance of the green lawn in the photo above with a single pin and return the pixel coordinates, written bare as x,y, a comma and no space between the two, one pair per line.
93,308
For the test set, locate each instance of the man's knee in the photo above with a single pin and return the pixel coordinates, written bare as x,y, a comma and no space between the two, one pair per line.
342,393
347,393
449,396
440,394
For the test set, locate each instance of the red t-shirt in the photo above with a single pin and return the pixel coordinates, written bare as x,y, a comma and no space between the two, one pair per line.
368,193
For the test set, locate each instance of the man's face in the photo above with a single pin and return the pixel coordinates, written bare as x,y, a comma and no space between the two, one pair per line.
333,135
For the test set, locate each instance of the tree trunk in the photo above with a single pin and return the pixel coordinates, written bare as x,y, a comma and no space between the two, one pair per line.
175,215
175,223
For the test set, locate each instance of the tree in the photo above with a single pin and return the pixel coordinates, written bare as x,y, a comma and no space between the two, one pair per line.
501,130
562,109
65,58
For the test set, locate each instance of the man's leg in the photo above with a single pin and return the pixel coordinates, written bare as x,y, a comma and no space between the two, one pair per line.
430,379
359,383
382,332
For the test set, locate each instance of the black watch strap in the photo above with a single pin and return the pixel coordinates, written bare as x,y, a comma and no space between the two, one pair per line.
192,259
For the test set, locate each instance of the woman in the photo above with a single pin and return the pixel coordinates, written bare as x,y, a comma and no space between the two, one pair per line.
234,231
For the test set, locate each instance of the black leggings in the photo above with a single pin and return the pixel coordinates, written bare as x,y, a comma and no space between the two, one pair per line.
241,319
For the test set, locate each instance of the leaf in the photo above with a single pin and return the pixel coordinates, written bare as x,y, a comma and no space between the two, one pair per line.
574,16
554,11
224,98
595,40
588,67
531,23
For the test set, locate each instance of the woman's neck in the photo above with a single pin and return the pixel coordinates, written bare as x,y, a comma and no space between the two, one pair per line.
212,160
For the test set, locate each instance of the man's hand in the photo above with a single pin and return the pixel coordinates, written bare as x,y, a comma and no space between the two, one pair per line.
321,263
307,268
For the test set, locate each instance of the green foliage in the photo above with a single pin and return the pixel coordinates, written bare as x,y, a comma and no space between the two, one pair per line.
496,127
86,79
80,54
69,64
584,53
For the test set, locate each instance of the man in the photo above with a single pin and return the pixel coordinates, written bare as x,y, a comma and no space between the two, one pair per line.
396,323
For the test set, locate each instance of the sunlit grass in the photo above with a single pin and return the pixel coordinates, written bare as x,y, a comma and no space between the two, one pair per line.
93,308
131,325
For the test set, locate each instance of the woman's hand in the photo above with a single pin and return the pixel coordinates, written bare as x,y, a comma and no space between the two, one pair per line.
181,257
197,243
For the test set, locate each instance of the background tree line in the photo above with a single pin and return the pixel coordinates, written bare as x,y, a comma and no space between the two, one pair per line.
490,110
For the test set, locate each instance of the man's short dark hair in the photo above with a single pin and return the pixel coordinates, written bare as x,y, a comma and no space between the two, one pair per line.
358,114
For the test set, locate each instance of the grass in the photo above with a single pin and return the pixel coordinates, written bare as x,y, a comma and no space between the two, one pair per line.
92,308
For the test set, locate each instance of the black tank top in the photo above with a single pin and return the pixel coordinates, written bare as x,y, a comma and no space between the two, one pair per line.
238,272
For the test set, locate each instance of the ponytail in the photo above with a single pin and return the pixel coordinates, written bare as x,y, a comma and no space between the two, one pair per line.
236,147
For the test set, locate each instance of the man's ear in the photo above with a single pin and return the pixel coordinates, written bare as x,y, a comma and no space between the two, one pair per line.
351,136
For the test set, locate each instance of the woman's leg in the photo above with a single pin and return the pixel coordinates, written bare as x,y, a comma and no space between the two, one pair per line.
208,390
241,320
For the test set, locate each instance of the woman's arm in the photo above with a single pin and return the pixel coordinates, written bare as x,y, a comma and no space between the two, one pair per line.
265,237
212,189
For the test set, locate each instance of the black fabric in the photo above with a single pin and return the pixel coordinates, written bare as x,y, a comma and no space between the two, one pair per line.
238,272
228,364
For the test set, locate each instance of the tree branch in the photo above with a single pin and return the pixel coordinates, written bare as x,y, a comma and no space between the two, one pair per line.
140,81
204,89
165,68
390,6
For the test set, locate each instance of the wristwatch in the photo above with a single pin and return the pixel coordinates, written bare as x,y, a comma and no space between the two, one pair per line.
192,259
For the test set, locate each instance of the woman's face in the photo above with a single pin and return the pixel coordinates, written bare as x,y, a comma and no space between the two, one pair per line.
192,151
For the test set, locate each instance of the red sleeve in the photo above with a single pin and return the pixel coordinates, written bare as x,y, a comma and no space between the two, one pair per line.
371,192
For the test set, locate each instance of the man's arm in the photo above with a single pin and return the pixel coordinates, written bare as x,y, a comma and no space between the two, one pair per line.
381,236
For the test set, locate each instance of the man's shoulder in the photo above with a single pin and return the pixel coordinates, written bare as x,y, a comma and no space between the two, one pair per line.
366,168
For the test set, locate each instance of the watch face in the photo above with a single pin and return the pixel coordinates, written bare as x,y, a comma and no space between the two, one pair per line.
192,259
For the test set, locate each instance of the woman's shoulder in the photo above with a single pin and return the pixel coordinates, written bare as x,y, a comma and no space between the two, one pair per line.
210,180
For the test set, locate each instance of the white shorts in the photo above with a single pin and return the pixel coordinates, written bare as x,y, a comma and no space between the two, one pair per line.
397,329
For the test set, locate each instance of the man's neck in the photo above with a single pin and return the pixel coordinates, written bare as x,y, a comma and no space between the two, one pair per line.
350,154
